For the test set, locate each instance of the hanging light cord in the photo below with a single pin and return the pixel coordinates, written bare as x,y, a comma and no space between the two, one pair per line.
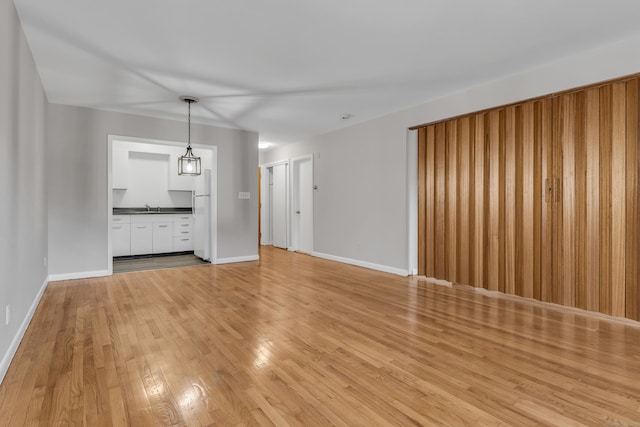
189,130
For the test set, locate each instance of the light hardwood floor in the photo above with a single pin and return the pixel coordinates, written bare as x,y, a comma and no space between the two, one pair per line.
296,340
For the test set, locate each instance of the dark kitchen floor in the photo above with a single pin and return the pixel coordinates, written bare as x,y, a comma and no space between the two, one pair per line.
125,265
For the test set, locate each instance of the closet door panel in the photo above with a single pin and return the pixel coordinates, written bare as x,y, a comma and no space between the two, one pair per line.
492,127
618,198
511,165
430,262
544,128
605,199
592,226
451,209
480,207
423,200
580,219
632,253
440,169
463,252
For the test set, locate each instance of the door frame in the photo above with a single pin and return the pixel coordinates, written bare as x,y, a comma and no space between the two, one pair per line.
265,195
295,185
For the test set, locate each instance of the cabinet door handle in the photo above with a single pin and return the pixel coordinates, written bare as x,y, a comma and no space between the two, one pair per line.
185,232
163,226
141,226
184,240
184,225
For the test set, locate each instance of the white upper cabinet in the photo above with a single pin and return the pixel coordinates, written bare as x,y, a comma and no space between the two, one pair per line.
120,168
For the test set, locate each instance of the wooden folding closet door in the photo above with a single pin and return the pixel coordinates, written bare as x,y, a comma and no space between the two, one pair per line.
538,200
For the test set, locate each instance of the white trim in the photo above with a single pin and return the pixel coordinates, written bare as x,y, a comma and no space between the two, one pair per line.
13,347
549,305
79,275
370,265
293,175
412,201
237,259
276,163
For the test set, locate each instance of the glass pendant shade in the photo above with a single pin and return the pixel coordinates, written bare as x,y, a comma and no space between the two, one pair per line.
189,164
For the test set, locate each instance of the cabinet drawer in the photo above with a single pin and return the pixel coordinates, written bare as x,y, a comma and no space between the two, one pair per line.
178,227
181,244
182,233
182,218
120,219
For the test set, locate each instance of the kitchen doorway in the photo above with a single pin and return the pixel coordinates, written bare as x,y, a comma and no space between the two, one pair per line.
152,221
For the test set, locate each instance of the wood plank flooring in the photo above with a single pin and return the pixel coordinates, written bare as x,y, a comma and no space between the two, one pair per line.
300,341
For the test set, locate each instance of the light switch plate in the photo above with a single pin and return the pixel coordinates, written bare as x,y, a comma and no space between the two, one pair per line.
244,195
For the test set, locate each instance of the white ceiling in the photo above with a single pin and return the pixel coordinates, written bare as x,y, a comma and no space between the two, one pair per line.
290,69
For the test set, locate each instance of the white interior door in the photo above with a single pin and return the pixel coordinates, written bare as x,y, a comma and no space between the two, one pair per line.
279,206
302,221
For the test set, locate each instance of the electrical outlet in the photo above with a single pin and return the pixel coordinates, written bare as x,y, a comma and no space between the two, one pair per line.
7,314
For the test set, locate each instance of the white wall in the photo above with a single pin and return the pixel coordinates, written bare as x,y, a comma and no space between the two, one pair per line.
360,208
23,211
77,183
148,172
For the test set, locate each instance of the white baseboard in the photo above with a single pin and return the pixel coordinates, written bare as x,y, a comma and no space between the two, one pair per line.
370,265
13,347
80,275
236,259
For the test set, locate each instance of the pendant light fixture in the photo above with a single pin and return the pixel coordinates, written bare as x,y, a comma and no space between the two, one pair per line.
189,164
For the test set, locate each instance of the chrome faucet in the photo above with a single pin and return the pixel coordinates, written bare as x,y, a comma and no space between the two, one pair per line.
148,207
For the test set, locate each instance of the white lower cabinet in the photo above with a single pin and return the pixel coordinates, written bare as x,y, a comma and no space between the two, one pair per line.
121,239
141,238
163,237
151,234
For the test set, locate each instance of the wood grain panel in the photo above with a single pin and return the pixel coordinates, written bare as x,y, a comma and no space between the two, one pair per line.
618,196
580,197
510,206
557,286
528,230
605,199
544,127
471,217
463,202
481,188
632,250
430,263
492,127
592,229
501,202
440,204
423,200
568,203
451,215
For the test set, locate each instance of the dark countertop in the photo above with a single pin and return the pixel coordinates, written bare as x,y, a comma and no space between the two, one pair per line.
140,211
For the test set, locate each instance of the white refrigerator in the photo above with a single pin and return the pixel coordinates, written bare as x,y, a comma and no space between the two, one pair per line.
202,215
